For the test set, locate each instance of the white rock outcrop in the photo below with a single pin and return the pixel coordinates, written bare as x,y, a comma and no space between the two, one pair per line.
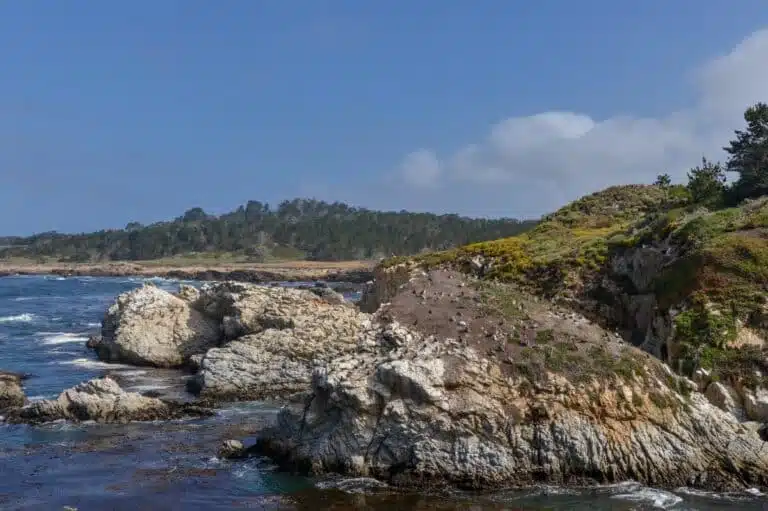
278,336
150,326
102,400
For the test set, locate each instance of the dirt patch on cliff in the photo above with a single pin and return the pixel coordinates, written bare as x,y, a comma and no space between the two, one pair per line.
526,335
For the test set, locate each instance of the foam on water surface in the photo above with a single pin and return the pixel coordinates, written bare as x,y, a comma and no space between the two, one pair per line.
54,338
18,318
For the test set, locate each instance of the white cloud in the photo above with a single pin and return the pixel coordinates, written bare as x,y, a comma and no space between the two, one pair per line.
421,168
573,154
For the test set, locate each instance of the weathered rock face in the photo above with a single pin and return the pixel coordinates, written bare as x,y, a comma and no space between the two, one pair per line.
726,399
328,294
102,400
756,405
440,413
245,309
149,326
386,283
625,297
412,409
11,392
280,333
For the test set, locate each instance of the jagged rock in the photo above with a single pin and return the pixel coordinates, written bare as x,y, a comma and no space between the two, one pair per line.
756,405
102,400
414,409
194,362
245,309
149,326
232,449
328,294
11,392
93,342
726,399
189,294
702,378
281,334
447,416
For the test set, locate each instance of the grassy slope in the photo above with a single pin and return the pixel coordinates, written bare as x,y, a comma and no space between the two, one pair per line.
716,284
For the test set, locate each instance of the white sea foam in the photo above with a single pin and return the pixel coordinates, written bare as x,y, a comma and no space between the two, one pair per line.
19,318
88,363
137,372
146,388
40,398
93,325
733,497
657,498
53,338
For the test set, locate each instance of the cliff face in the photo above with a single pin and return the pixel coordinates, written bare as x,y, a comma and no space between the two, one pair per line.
683,283
478,385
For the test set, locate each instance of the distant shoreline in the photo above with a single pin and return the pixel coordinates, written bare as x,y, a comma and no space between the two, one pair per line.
356,272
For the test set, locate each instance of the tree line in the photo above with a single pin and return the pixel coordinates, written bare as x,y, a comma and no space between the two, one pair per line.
299,228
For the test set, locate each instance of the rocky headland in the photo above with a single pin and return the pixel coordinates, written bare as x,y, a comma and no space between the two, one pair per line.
622,338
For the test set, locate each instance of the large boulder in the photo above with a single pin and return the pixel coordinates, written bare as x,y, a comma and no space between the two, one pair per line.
280,334
150,326
245,309
536,396
11,392
102,400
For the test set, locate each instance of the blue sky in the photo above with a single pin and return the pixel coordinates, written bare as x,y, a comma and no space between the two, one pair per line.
119,111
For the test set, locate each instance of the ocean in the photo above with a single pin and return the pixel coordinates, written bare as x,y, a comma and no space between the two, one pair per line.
44,323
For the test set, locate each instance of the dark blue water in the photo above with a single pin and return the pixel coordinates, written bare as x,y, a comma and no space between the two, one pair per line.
44,322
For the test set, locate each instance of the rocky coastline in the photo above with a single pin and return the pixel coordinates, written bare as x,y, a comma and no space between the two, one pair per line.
354,272
447,381
607,344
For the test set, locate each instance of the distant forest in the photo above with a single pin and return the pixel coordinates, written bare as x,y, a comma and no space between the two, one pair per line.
296,229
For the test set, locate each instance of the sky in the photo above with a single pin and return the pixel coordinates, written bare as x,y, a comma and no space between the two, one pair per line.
113,112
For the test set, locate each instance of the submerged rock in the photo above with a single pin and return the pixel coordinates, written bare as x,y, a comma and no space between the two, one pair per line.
93,342
150,326
280,334
232,449
102,400
571,407
11,392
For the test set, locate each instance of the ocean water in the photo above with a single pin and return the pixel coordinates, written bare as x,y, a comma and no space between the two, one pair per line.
44,322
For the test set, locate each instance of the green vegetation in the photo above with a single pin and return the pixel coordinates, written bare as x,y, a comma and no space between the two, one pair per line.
700,330
707,184
565,244
709,238
297,229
